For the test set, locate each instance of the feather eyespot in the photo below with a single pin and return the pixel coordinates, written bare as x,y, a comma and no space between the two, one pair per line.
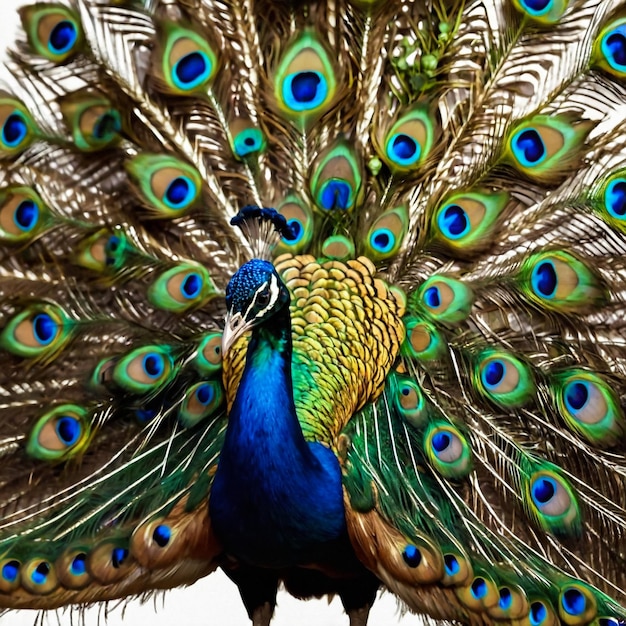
406,145
10,571
79,564
577,604
448,450
17,129
71,568
552,502
465,220
609,51
559,281
143,370
53,31
110,561
181,288
544,147
94,123
387,233
337,179
615,198
201,400
589,407
338,247
446,299
39,577
305,80
168,185
423,341
481,593
300,221
248,141
208,357
104,252
541,614
59,434
184,64
38,331
542,11
409,400
504,379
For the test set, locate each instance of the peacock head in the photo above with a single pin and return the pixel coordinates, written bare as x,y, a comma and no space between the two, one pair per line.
254,294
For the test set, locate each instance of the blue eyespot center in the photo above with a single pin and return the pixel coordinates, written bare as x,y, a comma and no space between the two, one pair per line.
441,441
479,588
432,297
336,194
26,215
304,91
576,396
192,69
62,37
14,130
248,141
107,125
153,364
79,564
44,329
452,564
10,571
529,146
403,149
544,279
68,429
506,598
204,394
191,285
615,46
297,231
493,373
118,556
538,613
383,240
543,490
179,191
40,573
574,602
162,535
537,6
412,556
304,86
615,198
453,222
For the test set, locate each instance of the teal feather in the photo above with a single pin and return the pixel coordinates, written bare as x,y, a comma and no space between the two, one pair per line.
425,392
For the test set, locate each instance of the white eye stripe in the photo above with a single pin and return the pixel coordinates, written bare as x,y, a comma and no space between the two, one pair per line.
274,291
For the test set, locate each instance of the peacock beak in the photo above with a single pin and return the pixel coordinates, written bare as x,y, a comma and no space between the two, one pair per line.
234,327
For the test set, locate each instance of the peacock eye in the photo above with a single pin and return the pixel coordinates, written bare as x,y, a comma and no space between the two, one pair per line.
263,299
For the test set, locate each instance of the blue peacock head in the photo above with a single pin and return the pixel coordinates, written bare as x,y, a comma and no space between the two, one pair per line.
254,294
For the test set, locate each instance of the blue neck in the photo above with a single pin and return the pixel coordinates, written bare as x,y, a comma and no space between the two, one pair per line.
276,500
263,414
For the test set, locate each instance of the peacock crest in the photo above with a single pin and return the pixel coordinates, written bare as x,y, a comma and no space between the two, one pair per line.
328,294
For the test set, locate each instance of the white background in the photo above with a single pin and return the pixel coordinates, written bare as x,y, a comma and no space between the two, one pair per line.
213,600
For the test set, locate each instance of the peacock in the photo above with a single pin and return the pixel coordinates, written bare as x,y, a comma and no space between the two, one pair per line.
327,294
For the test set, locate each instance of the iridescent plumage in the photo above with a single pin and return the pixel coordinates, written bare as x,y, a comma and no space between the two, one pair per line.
411,373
